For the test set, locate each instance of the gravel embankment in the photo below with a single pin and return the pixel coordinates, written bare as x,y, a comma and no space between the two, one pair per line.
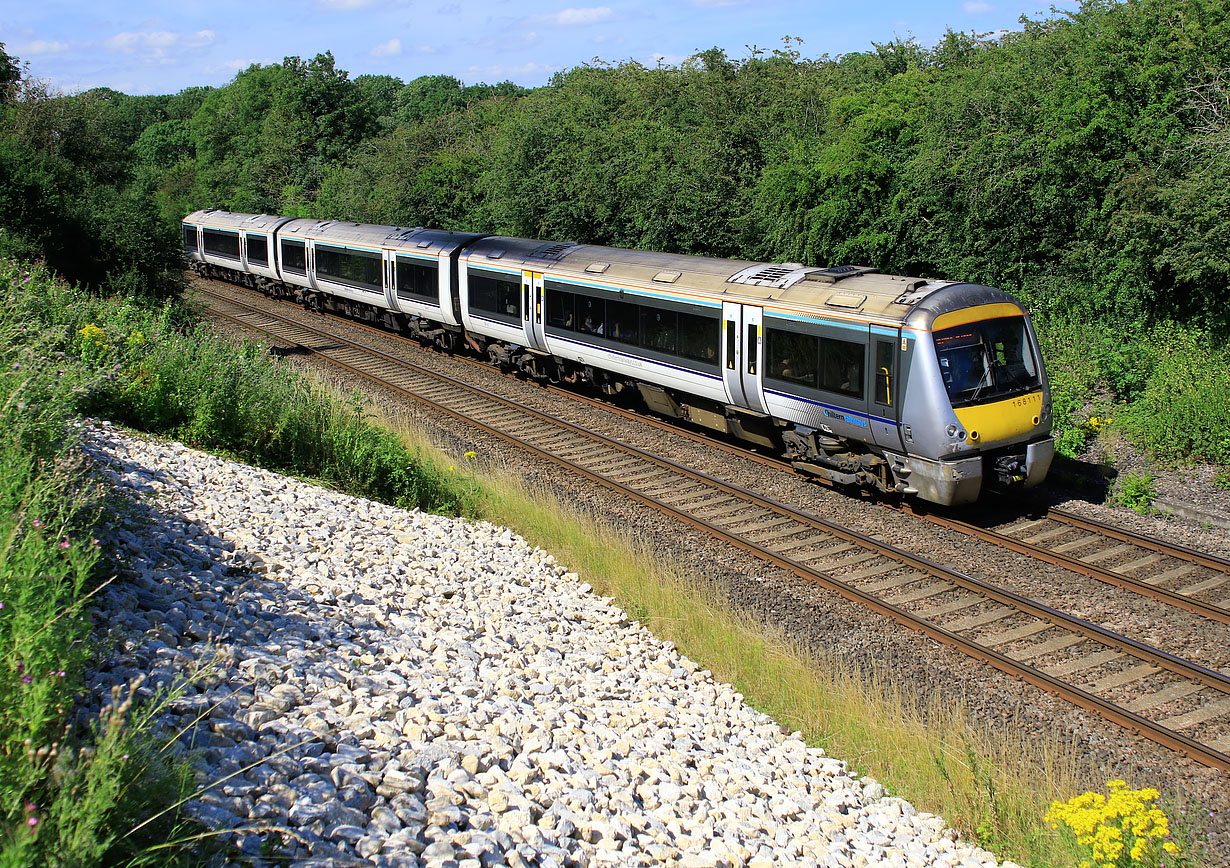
395,688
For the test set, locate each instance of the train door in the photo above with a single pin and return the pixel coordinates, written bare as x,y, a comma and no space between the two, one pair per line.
243,251
531,309
743,355
885,404
388,261
309,259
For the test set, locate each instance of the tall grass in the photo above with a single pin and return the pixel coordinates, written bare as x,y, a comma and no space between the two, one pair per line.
67,793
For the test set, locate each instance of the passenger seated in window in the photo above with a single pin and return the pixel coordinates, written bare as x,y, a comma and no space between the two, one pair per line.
590,326
786,369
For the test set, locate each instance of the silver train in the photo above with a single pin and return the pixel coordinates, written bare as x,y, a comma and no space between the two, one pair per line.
931,389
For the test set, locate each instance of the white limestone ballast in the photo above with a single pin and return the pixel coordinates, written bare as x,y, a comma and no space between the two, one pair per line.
389,687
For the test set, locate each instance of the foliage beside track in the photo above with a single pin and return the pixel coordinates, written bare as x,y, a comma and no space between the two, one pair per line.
73,794
70,794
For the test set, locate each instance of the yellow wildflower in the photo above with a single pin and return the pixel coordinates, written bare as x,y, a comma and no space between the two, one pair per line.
92,334
1123,821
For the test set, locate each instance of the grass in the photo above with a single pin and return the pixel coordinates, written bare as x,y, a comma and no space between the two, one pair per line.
995,786
67,793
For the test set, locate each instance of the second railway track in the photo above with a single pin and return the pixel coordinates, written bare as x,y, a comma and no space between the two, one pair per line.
1170,700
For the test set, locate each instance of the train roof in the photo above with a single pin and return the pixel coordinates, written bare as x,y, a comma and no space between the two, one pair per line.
844,291
412,239
847,289
234,220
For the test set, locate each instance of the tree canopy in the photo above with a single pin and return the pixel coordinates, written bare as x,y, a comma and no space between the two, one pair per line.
1080,160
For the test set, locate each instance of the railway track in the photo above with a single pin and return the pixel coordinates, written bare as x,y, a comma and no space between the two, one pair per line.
1172,701
1181,577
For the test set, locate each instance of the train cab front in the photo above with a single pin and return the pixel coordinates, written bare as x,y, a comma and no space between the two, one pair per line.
991,421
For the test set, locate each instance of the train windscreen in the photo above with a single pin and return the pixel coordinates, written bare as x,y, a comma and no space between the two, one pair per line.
988,360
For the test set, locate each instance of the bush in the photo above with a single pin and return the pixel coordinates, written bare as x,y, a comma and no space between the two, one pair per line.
1183,412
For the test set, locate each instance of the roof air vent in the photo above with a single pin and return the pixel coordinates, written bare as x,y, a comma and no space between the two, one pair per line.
597,267
846,299
552,251
667,276
778,276
839,272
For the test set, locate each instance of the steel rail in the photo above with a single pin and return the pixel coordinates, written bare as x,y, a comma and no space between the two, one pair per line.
1093,571
1169,738
1174,550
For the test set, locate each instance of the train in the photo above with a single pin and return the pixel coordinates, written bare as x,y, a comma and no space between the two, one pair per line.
928,389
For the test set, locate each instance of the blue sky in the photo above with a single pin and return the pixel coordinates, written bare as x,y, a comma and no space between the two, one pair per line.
143,46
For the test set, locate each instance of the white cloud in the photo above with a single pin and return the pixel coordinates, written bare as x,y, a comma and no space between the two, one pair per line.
157,45
510,42
425,49
346,4
526,72
392,48
977,7
660,59
718,4
237,64
575,17
41,46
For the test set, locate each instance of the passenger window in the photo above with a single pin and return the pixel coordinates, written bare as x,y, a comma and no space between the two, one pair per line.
592,315
659,329
698,338
792,357
842,367
624,321
560,307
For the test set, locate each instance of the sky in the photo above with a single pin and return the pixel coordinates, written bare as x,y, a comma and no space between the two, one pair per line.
164,46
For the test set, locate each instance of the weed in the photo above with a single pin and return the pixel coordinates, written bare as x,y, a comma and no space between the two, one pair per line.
1137,491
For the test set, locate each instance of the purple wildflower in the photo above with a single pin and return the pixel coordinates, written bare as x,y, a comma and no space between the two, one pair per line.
26,679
